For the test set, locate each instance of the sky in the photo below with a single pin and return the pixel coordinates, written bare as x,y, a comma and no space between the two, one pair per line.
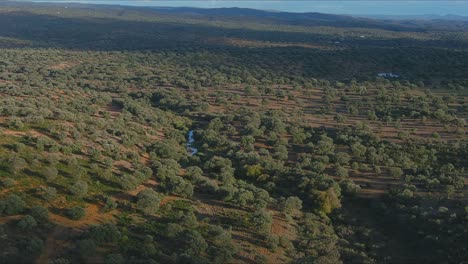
378,7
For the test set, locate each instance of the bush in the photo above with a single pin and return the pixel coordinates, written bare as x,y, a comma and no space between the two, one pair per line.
262,220
109,204
148,201
34,246
325,201
50,173
260,259
272,242
173,230
49,193
105,233
177,185
80,188
27,223
341,172
59,261
76,213
40,213
86,247
11,205
195,244
8,182
114,259
395,172
291,204
16,165
349,187
342,158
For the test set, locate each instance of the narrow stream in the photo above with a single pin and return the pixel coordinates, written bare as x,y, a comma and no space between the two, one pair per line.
192,151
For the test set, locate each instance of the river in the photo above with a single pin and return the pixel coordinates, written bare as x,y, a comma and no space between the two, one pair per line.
190,140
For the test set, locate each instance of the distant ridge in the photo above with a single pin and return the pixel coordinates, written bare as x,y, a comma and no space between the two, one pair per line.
236,11
449,17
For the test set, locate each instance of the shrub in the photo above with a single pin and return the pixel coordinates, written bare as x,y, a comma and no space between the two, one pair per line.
109,204
291,204
262,220
34,246
105,233
395,172
80,188
11,205
40,213
114,259
49,193
272,242
76,213
8,182
148,201
16,165
50,173
86,247
27,223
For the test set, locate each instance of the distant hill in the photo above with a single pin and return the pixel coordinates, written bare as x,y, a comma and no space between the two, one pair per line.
234,11
448,17
303,19
235,15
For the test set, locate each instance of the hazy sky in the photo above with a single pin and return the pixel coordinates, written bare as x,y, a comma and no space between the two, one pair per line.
377,7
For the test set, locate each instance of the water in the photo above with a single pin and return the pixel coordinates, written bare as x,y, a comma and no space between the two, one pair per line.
192,151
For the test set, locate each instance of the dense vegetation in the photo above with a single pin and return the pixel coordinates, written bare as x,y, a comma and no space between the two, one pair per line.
303,154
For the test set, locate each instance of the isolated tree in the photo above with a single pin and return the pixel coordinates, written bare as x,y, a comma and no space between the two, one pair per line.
34,246
76,213
114,259
11,205
272,242
348,187
395,172
195,244
325,201
79,189
254,171
291,205
341,171
27,223
324,146
49,193
148,201
19,147
15,123
173,230
342,158
358,150
109,204
247,142
40,213
243,197
262,220
86,247
16,165
177,185
105,233
449,191
7,182
281,152
50,173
